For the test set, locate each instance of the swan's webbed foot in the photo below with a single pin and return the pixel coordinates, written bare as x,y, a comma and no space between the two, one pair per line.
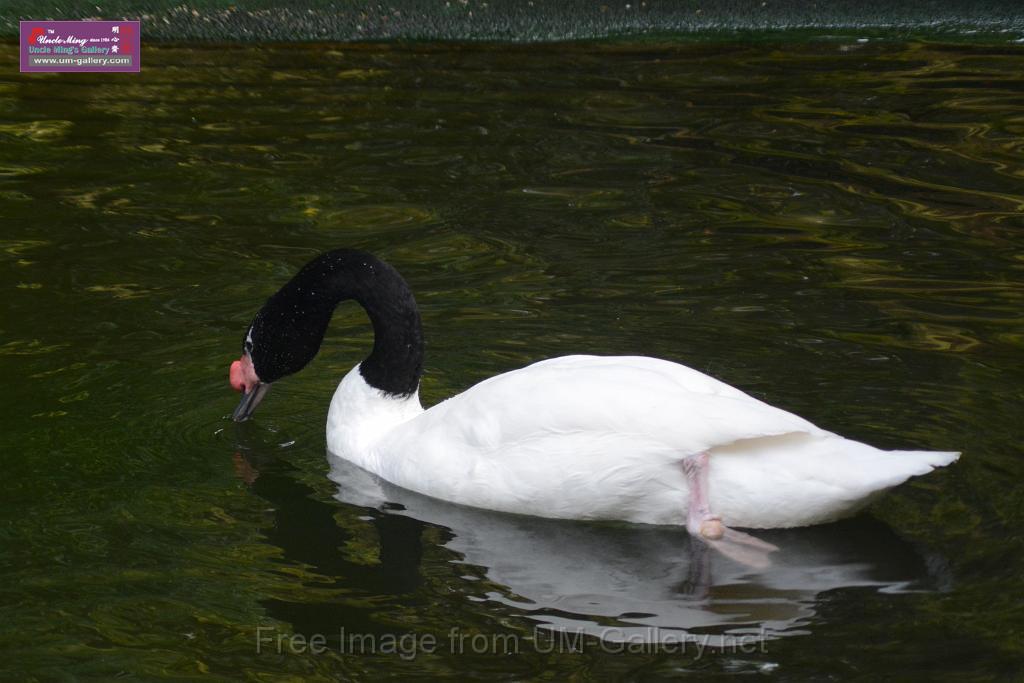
707,527
743,548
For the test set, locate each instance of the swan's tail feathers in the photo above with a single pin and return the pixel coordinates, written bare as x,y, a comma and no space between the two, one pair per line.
895,467
799,479
926,461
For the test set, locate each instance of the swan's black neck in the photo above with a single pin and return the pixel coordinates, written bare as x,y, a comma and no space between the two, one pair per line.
287,332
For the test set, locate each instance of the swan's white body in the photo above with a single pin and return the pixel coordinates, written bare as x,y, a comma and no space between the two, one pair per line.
588,437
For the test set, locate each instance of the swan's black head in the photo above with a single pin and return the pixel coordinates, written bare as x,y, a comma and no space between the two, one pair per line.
287,332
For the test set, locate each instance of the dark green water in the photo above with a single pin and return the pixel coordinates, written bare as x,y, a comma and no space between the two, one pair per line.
836,229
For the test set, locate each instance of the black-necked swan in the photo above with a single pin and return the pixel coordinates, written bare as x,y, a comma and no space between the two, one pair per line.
582,437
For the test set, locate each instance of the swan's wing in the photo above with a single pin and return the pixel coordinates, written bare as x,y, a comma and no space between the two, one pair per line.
680,408
603,437
581,436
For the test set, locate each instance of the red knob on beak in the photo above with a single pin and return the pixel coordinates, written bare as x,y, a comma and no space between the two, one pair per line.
236,377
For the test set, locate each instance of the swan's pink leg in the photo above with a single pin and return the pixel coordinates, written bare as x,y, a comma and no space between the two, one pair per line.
708,527
699,520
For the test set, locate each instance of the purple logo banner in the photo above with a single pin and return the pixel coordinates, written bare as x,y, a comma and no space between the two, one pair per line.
80,46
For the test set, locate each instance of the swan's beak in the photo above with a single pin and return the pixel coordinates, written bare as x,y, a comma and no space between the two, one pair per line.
250,399
243,378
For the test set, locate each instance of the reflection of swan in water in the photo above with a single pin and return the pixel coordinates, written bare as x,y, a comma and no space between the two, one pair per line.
632,582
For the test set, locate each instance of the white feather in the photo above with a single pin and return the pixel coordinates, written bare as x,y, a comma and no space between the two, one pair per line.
589,437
